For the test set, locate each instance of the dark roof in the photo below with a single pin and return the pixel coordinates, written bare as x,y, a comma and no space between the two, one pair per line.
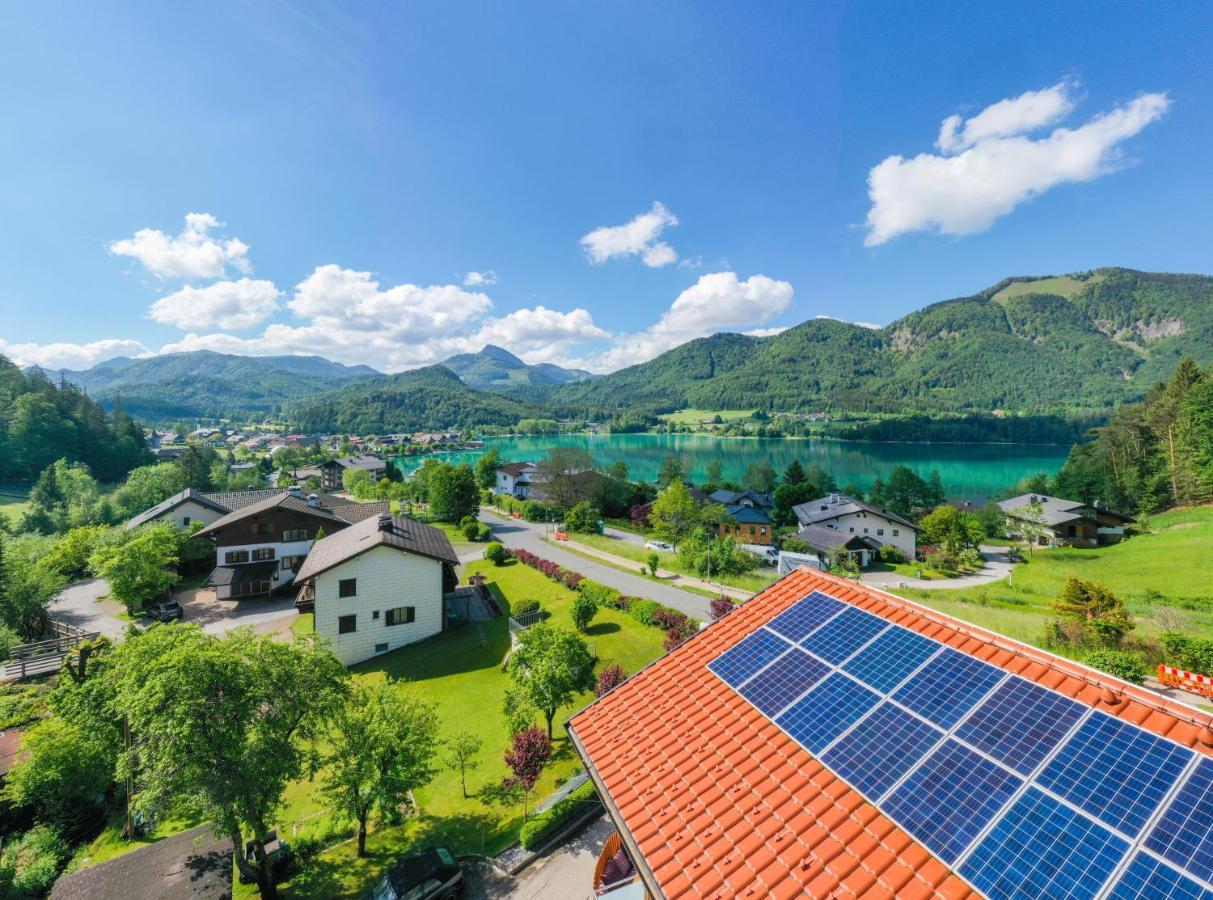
730,498
825,539
188,865
401,534
342,511
749,515
258,571
356,462
172,503
833,506
515,469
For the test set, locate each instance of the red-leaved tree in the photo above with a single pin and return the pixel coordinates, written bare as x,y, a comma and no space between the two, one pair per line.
528,754
720,607
609,679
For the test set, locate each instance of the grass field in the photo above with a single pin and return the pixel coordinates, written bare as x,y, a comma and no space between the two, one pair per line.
461,672
668,561
695,416
1170,560
1062,286
13,503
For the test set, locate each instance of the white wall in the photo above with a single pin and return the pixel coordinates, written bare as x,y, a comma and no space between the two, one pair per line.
195,512
870,525
386,578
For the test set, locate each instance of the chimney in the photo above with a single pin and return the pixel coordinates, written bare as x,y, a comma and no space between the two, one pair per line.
834,498
295,490
313,500
385,522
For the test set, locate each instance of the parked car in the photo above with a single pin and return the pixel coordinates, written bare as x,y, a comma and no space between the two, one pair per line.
660,546
165,610
277,852
432,874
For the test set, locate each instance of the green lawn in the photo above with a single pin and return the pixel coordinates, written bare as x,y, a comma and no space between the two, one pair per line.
1167,560
14,502
668,561
461,672
695,416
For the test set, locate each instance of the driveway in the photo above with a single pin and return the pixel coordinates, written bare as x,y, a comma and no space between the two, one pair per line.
567,872
620,535
80,604
266,616
515,534
997,567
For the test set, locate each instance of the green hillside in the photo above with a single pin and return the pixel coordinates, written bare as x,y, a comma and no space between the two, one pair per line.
497,369
429,398
1082,342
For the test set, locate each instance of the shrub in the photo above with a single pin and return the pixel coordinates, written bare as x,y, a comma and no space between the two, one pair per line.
609,679
941,560
653,559
720,607
583,610
890,554
1119,663
601,594
583,518
548,823
796,545
642,610
673,638
665,619
524,606
33,862
471,530
496,553
1186,652
623,602
318,838
483,532
971,558
466,521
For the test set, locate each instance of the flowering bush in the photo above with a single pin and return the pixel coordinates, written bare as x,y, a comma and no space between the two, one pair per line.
720,607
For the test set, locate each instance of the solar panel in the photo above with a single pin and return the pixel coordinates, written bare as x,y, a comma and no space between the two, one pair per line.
844,634
783,681
826,712
1042,848
886,661
798,620
1184,833
747,656
881,748
950,799
948,687
1148,879
1115,771
1020,723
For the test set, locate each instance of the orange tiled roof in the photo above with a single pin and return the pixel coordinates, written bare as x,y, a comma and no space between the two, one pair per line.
721,802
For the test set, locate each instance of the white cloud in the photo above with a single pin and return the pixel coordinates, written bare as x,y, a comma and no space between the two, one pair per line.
989,164
638,237
480,279
716,302
766,332
71,356
225,304
539,334
194,253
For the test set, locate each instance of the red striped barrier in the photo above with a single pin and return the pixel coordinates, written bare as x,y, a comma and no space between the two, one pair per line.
1188,681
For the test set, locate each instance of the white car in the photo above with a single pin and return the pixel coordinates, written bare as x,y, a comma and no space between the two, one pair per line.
660,546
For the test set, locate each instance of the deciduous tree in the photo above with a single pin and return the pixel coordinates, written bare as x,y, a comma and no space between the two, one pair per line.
551,665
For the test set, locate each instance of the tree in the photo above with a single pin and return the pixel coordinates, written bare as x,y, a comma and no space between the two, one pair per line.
140,569
462,752
935,493
27,587
905,491
264,700
720,607
759,477
486,469
62,777
583,610
794,474
495,553
844,565
149,485
358,483
529,752
583,518
618,470
993,520
672,471
951,529
382,743
550,665
453,493
608,679
790,495
675,513
715,472
1095,609
197,464
564,474
1029,523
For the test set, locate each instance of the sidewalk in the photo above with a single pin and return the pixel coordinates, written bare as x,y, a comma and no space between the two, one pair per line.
669,577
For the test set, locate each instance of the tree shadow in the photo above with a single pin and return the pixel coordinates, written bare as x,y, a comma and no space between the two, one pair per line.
603,628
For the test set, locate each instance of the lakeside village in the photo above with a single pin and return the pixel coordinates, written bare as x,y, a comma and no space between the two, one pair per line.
752,687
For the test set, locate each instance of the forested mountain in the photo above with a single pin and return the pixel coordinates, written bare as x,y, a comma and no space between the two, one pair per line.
497,369
429,398
204,384
41,422
1082,342
1152,454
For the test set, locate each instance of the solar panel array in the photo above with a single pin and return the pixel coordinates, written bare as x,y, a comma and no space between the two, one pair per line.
1022,791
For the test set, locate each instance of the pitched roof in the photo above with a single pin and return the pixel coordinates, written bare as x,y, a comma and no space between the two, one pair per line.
729,498
833,506
362,461
825,539
173,502
715,800
401,534
1053,510
343,511
748,515
191,864
516,468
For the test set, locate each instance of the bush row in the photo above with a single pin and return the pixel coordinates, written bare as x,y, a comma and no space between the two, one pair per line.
557,573
548,823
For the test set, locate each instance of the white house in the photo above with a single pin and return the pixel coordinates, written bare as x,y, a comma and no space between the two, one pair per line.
378,585
855,517
517,479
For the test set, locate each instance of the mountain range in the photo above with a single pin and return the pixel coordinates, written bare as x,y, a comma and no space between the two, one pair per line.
1083,342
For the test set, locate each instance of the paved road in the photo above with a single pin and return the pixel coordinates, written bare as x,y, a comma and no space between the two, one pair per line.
997,567
80,604
630,536
567,873
514,534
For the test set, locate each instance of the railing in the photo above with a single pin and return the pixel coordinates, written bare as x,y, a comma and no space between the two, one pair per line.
43,657
521,623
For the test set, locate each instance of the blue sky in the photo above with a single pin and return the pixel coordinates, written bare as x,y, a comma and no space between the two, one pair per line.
346,167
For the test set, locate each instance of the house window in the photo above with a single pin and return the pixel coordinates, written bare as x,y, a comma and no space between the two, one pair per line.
185,521
375,616
865,531
762,531
401,615
263,554
347,624
261,528
381,648
294,534
235,556
347,587
879,532
852,531
896,532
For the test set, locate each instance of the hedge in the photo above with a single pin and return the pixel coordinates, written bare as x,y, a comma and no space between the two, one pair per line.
548,823
601,594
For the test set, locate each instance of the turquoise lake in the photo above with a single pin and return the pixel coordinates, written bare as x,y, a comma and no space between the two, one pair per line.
967,470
